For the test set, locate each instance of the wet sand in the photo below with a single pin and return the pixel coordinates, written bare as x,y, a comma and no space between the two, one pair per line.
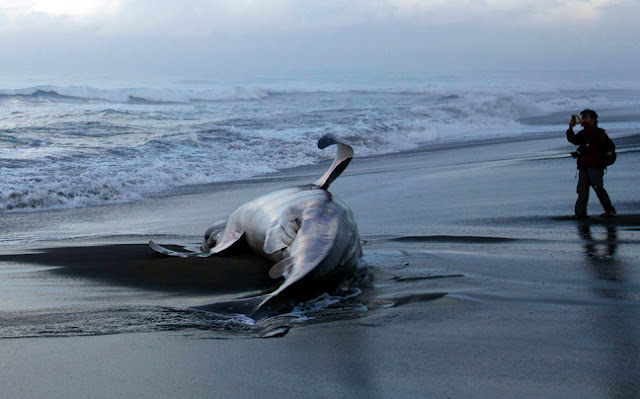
482,288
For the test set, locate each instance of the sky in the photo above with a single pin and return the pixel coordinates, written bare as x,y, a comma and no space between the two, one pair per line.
204,39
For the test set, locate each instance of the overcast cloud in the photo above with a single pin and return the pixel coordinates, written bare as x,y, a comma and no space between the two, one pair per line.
205,38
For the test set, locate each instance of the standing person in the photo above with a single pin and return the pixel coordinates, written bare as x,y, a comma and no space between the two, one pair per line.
590,162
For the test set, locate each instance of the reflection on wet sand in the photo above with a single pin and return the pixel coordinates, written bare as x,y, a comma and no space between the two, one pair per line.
616,325
602,256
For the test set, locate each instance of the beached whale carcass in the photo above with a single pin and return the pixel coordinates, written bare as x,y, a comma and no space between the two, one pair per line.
310,234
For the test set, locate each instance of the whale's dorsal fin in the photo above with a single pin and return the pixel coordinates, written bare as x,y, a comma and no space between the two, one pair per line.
340,163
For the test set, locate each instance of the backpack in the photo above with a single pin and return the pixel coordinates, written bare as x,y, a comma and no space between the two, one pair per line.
608,150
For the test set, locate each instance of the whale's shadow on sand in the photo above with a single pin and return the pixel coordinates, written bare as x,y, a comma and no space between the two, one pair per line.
136,265
237,272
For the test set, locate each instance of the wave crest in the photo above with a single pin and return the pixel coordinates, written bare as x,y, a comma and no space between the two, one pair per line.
140,96
92,146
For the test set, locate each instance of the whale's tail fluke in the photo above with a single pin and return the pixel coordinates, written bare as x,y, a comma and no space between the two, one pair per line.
340,163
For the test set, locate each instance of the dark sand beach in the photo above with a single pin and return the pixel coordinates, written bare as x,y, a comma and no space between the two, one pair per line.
482,288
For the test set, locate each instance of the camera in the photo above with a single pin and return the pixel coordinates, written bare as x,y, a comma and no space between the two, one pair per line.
576,119
581,150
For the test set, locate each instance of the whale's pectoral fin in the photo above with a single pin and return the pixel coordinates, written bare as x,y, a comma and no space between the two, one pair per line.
166,251
316,238
281,235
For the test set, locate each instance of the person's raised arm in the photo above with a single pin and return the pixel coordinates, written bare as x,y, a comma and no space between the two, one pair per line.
571,136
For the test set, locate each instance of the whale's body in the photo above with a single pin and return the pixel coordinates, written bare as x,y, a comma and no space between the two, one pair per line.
310,234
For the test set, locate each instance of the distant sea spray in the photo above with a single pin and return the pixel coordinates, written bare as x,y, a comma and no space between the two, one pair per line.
84,145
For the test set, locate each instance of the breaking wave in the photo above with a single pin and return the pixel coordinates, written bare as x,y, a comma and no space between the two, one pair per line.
87,94
76,146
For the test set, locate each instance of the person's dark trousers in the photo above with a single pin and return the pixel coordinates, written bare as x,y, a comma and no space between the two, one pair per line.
591,177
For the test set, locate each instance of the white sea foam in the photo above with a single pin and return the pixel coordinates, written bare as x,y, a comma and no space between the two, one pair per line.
83,145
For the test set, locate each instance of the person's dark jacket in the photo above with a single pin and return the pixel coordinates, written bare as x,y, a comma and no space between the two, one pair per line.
591,142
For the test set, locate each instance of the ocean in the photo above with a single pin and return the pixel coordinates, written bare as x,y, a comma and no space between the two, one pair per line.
479,284
77,142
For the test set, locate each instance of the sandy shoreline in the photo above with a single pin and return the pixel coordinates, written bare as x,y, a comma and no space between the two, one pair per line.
482,289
